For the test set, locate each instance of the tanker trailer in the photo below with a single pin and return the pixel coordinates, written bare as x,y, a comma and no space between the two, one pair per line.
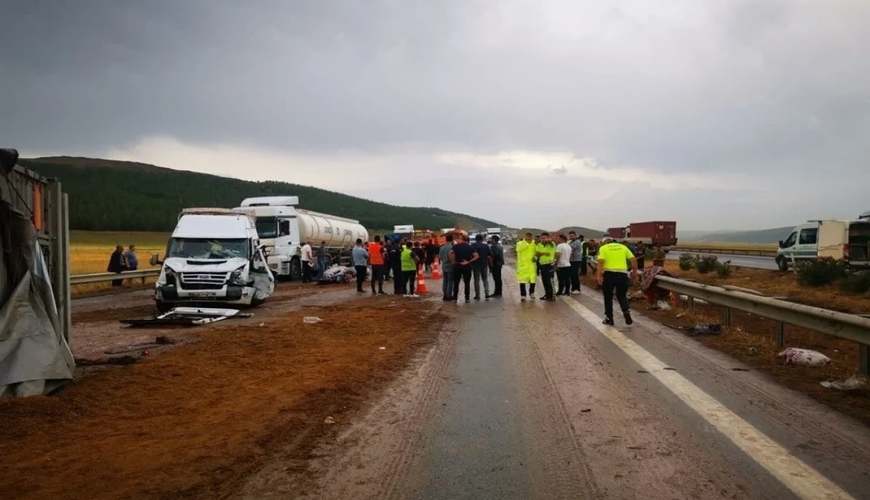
284,229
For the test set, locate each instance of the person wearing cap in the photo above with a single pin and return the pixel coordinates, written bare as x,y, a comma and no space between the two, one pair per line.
613,275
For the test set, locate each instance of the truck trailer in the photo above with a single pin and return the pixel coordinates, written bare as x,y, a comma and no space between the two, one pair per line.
284,229
654,233
616,232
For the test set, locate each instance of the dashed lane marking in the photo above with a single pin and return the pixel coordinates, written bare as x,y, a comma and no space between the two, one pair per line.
797,476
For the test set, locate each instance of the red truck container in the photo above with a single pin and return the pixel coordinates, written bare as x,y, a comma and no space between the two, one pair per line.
616,232
656,233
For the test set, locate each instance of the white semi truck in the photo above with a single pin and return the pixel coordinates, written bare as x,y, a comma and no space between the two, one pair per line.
284,229
214,256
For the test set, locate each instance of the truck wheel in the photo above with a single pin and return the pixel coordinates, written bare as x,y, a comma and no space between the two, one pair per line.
782,263
163,307
295,269
257,302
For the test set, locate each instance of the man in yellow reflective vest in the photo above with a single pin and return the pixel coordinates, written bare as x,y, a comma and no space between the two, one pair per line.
545,251
613,275
527,272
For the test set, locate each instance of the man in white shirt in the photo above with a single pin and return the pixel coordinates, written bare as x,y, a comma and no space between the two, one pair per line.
563,265
307,258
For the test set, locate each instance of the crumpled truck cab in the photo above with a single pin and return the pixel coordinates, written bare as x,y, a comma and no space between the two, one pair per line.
214,257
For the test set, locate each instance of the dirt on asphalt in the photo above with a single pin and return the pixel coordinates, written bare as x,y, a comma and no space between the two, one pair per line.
196,420
751,340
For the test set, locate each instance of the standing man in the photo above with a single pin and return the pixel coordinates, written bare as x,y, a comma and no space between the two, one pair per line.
480,268
564,271
613,260
360,258
306,261
546,253
496,265
462,257
577,260
640,254
527,272
117,264
446,269
322,259
409,261
132,260
394,260
388,243
432,251
376,258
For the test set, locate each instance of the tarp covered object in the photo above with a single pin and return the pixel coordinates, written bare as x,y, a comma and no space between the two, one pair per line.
34,355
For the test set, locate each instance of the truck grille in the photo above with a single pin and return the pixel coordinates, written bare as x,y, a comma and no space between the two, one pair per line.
202,281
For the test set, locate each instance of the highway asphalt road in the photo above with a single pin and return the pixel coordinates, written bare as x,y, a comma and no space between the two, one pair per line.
737,260
525,400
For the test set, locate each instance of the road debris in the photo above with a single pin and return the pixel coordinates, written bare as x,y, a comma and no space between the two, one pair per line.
329,421
850,384
187,316
311,319
807,357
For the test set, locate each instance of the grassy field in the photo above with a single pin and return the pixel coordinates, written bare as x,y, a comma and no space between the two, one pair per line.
90,252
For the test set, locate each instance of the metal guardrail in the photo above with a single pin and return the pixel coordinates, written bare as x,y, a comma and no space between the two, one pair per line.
842,325
81,279
748,251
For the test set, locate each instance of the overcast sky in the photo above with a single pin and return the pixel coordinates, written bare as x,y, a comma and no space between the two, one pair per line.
720,114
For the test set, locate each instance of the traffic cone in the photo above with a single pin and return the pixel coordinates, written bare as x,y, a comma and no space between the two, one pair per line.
421,282
436,274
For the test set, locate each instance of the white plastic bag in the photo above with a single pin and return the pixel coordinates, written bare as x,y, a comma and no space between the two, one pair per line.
664,306
807,357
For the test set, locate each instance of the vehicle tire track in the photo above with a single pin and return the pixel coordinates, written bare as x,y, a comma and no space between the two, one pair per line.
563,469
372,458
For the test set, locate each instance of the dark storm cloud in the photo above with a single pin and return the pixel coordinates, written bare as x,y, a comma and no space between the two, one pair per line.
772,90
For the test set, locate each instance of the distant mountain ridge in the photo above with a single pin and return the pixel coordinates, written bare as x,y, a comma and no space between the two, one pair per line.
110,195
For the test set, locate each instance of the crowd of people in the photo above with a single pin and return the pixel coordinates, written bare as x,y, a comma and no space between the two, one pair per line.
559,261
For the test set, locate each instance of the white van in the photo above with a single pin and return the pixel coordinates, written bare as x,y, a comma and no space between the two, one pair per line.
839,239
214,256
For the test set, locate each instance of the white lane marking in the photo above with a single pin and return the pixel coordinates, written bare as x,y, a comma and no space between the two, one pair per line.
800,478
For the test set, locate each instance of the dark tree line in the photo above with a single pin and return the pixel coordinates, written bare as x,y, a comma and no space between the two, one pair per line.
104,197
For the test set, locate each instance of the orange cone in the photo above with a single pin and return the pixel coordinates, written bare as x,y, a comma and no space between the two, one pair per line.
421,282
436,274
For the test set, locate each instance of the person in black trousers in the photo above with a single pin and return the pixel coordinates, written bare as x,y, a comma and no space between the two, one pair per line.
613,261
394,262
497,252
461,258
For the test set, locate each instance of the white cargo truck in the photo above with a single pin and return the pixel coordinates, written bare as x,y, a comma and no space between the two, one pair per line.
284,229
214,256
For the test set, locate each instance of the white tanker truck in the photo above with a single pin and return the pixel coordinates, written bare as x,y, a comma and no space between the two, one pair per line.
283,229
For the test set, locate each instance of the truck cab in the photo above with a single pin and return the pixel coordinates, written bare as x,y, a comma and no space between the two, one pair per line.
847,240
214,256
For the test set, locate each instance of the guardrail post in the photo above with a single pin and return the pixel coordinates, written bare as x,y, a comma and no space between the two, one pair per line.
726,316
779,336
864,359
690,302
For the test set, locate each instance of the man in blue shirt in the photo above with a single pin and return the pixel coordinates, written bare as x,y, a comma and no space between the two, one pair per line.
480,268
360,262
446,269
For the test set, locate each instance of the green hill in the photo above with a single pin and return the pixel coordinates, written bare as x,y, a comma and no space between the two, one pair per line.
589,234
108,195
760,236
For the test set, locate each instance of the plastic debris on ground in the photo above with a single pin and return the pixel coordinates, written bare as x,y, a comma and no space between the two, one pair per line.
311,319
704,329
850,384
187,316
807,357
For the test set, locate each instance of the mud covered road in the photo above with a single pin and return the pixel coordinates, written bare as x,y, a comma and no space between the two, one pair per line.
539,400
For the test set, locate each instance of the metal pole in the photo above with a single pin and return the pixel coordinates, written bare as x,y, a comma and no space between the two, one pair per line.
780,334
726,316
66,319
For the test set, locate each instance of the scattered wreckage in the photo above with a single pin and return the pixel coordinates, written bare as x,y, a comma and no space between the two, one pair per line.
186,316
